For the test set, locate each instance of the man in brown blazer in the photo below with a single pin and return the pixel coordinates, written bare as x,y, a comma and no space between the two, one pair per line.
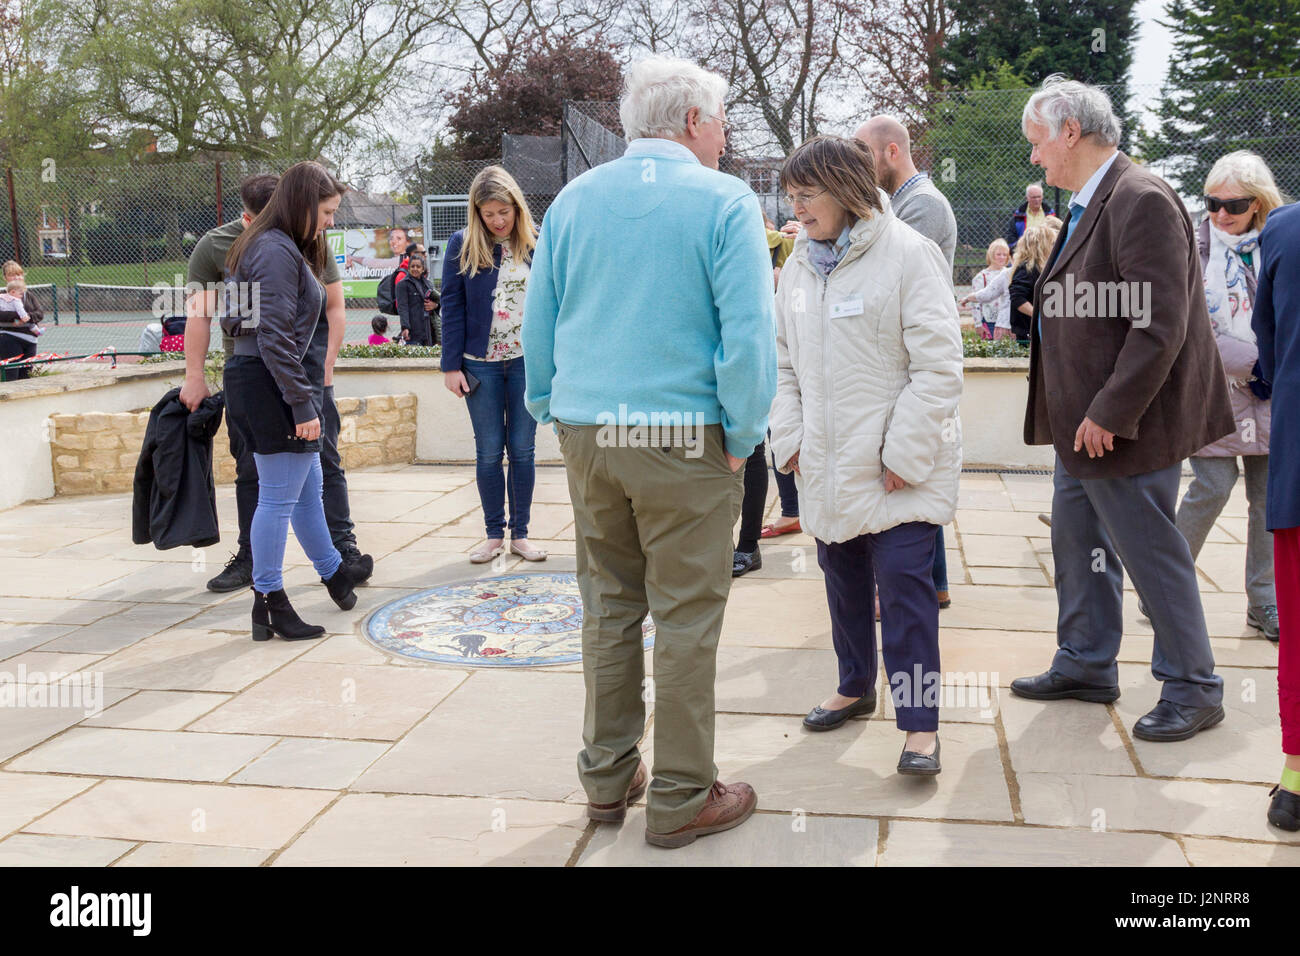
1125,381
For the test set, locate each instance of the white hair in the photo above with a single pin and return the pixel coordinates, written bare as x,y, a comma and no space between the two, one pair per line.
659,91
1060,99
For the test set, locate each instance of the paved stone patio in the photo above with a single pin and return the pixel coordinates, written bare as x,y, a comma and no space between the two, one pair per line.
212,750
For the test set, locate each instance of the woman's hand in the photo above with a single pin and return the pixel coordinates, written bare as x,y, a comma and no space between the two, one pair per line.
967,299
428,305
893,482
793,464
456,384
406,334
308,431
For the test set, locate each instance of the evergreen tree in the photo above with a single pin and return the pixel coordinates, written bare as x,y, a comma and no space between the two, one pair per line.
1088,40
1232,84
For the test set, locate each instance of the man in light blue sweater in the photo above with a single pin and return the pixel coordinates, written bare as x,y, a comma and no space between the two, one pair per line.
649,341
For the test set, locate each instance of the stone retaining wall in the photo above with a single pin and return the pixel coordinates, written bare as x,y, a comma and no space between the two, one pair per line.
97,451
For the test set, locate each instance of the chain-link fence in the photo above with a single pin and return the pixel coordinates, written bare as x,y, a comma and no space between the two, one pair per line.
105,248
972,145
97,241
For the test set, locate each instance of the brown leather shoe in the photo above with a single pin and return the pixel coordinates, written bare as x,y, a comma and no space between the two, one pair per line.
615,812
729,805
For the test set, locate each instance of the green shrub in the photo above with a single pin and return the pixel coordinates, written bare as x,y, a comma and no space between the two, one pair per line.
390,350
973,346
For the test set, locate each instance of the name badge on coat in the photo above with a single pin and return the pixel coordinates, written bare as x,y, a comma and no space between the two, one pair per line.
846,308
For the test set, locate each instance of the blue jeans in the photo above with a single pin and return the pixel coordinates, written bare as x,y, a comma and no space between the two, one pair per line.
502,424
289,490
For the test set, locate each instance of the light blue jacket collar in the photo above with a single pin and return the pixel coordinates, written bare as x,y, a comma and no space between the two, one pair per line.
661,148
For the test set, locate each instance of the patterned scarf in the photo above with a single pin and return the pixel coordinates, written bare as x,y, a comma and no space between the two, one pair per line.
1226,292
825,256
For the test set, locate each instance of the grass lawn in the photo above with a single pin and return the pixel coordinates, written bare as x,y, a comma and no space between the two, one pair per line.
126,274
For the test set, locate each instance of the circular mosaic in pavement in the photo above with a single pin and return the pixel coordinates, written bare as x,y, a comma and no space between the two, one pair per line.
516,620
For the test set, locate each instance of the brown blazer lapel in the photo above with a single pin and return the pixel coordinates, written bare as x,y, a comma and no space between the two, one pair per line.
1091,213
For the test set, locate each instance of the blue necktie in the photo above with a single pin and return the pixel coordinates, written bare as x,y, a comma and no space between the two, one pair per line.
1076,213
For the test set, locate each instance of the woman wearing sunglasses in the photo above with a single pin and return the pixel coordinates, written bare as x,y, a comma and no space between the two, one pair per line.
1239,195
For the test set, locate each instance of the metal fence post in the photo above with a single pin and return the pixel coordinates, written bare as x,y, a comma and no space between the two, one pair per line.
564,144
220,217
13,215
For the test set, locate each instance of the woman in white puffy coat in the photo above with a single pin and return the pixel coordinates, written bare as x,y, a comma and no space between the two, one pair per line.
869,376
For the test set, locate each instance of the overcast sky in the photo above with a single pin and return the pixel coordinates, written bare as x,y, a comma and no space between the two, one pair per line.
1154,46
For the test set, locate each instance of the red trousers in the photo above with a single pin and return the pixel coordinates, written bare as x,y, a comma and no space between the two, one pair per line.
1286,571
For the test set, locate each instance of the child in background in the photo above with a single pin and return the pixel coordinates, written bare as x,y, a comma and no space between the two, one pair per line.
378,326
17,329
990,292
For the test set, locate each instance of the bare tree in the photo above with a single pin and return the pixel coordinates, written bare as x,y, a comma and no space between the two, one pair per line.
780,58
896,47
498,32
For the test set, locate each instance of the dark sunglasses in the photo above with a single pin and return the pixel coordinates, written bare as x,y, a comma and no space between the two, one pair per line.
1235,207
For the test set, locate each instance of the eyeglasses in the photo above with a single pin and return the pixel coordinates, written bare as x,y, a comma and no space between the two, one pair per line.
802,200
1234,207
726,124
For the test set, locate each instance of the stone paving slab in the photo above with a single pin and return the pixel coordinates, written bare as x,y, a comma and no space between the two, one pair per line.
1246,746
913,843
257,817
1058,736
332,752
197,660
334,700
31,849
160,754
360,830
157,710
1205,852
120,630
1192,807
25,796
183,854
766,839
24,727
534,723
17,638
851,770
316,764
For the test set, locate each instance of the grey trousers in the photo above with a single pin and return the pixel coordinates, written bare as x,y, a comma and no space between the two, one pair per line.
1203,503
1096,524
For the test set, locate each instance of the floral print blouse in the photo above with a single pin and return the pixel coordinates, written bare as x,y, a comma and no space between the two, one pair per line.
507,309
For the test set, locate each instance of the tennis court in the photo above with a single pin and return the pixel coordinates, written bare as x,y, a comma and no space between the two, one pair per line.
91,318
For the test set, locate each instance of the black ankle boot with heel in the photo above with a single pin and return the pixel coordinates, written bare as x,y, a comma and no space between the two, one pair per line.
273,614
341,587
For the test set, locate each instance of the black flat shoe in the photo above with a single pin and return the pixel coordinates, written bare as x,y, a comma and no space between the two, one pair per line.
1168,721
920,765
743,562
819,719
1284,809
1052,686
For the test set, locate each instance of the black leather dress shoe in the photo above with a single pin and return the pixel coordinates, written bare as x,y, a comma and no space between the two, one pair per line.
920,765
1284,809
1169,721
1052,686
742,562
819,719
